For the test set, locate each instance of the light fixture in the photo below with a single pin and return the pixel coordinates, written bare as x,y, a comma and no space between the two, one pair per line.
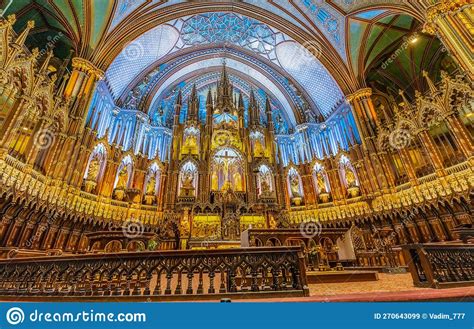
414,38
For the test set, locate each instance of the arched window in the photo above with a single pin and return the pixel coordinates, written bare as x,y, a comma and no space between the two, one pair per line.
152,180
348,173
257,142
321,181
265,186
191,141
227,170
295,185
95,168
124,173
188,177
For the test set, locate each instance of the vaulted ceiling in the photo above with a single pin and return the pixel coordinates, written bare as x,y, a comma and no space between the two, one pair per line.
312,52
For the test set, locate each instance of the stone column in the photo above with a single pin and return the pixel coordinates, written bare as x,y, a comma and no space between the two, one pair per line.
309,189
107,183
452,22
407,163
79,91
433,151
162,191
387,168
461,134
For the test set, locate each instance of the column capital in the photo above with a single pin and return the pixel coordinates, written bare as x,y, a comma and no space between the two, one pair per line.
445,7
440,9
86,66
359,94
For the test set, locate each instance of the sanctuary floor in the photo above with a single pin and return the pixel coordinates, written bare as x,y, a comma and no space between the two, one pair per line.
390,287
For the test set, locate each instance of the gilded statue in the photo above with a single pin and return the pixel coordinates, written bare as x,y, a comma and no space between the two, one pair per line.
187,185
190,144
321,184
227,186
215,181
258,148
238,182
295,186
94,167
187,181
122,178
150,188
350,179
265,187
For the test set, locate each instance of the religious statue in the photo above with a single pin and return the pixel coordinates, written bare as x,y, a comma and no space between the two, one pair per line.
258,149
296,197
322,189
150,188
238,182
188,180
215,181
227,186
350,178
313,258
323,258
295,186
187,185
190,145
92,177
122,182
352,187
265,187
94,167
158,117
273,224
321,184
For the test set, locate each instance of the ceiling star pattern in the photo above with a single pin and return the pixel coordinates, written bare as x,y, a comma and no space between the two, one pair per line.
138,44
140,94
229,28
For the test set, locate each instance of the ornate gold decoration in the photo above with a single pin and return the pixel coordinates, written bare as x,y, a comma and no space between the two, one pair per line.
86,66
361,93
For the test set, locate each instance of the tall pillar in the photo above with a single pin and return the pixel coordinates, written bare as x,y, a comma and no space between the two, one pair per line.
365,114
452,22
366,120
408,164
309,189
387,168
107,183
456,126
433,151
461,134
79,91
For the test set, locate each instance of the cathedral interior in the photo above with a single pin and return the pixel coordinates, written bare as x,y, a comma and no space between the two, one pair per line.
345,127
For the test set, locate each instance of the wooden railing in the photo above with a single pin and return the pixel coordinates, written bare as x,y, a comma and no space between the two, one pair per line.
169,275
440,265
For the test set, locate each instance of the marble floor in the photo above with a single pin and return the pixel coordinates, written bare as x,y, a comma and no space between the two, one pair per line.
390,288
386,283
